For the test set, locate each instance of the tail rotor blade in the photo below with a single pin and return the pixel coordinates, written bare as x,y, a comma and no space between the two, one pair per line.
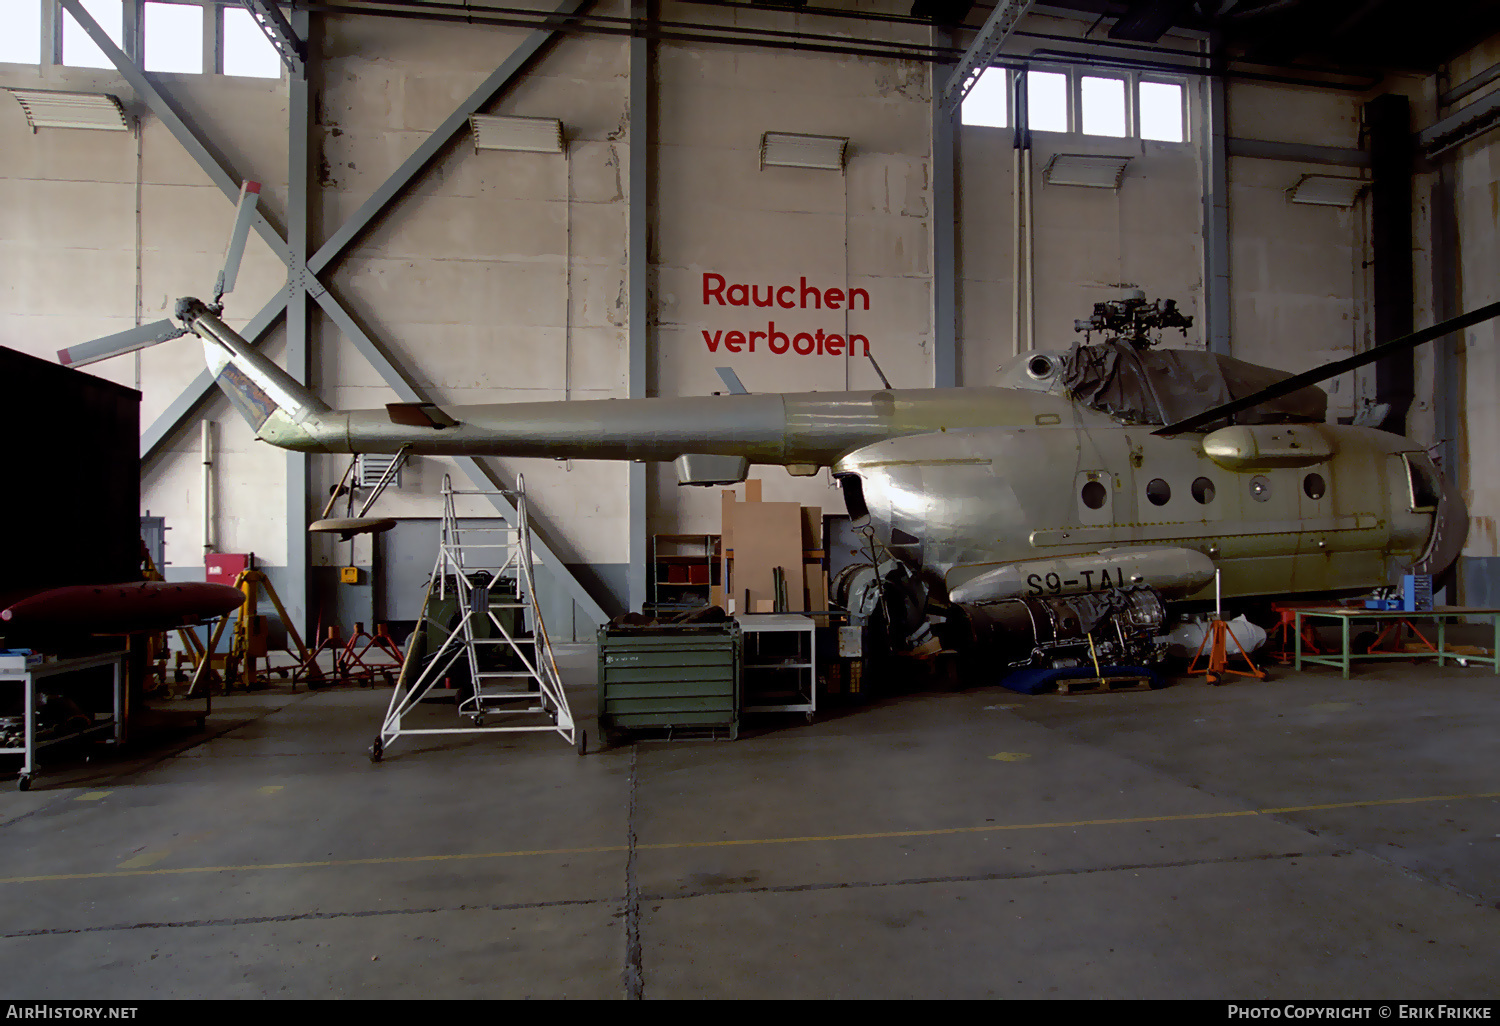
244,213
122,342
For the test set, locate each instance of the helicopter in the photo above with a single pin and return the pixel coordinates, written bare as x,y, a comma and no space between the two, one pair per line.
1064,507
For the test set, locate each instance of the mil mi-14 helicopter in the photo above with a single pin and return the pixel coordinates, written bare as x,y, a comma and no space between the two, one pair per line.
1067,504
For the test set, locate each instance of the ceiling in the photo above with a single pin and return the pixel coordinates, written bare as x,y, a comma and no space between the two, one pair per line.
1383,34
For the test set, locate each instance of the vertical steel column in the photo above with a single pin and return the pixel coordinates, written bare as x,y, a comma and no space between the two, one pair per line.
298,354
1215,163
1447,375
1392,155
638,179
945,121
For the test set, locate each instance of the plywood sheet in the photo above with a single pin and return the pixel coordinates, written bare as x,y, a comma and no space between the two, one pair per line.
767,536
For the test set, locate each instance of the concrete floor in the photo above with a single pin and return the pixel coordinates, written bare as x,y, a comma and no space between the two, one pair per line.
1307,837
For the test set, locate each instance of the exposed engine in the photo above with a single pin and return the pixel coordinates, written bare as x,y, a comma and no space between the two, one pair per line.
1118,627
888,607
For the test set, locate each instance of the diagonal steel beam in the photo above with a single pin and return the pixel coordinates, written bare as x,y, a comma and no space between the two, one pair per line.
985,47
426,153
213,164
482,476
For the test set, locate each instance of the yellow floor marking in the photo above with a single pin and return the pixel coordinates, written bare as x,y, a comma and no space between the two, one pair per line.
93,796
144,859
1010,756
271,788
674,845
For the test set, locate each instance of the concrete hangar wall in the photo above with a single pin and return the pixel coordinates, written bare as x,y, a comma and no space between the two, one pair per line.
506,276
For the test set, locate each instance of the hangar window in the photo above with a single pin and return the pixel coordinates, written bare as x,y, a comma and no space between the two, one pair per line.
80,51
174,38
247,51
988,100
1163,111
21,32
1101,106
1047,100
1082,100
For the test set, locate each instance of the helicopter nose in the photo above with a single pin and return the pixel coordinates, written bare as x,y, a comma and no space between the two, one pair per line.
1450,528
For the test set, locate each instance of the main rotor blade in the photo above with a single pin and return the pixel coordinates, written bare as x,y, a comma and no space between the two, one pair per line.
1331,370
244,213
122,342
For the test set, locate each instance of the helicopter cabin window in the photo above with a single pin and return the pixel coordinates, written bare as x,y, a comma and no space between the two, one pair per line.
1203,491
1159,492
1422,478
1260,488
78,49
1313,486
21,32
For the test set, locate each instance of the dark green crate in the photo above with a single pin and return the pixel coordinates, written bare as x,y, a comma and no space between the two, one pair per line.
676,677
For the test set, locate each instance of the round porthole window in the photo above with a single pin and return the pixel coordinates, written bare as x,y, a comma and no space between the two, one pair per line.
1314,486
1159,492
1203,491
1095,495
1040,367
1260,489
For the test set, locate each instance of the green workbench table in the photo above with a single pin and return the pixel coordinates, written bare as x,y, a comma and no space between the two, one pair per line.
1440,614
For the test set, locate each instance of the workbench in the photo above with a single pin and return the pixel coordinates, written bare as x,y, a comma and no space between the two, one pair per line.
1409,618
26,676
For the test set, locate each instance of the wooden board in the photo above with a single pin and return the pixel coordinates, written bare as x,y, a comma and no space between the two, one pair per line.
769,538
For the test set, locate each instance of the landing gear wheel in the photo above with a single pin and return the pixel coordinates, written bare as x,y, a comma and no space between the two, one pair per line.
376,751
478,721
808,716
582,743
23,782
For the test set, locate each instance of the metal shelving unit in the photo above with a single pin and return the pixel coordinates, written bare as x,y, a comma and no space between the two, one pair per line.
781,663
684,569
15,670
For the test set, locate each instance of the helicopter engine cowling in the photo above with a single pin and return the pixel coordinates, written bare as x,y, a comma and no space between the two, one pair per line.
1173,571
1055,631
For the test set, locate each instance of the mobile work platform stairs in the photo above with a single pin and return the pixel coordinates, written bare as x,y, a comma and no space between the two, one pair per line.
489,572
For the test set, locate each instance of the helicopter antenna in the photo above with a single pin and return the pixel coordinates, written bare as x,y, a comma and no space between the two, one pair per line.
879,373
1289,385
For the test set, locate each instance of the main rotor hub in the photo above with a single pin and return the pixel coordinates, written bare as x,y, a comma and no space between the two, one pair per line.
1132,319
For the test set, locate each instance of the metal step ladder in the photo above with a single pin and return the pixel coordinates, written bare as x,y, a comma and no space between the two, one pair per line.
490,573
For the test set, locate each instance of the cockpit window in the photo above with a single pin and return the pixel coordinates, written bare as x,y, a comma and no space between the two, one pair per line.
1422,477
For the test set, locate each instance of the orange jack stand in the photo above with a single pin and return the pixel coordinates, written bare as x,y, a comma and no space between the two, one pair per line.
351,657
1281,641
1218,655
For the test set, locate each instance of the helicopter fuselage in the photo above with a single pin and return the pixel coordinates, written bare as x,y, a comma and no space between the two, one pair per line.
959,482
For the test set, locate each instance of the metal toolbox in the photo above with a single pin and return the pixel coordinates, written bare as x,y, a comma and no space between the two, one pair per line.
680,678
